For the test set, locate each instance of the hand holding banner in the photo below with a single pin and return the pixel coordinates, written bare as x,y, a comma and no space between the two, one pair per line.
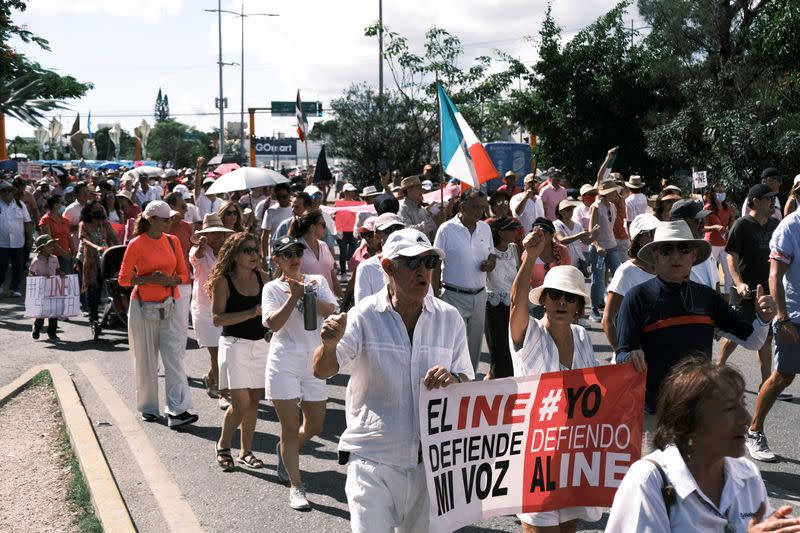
527,444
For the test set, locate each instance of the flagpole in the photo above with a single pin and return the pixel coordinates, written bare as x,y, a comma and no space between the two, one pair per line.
309,177
441,161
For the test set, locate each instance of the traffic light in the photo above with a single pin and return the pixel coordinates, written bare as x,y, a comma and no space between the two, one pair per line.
319,109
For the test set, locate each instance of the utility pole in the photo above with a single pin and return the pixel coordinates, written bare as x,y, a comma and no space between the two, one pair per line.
380,53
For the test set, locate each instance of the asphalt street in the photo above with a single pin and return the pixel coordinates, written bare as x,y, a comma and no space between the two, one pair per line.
250,500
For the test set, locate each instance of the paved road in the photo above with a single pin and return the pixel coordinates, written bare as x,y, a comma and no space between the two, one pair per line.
249,500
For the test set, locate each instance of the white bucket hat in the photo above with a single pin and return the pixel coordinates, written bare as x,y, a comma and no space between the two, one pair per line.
642,223
564,278
677,231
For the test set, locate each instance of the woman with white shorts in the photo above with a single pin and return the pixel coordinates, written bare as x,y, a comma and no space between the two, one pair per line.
235,286
202,256
290,381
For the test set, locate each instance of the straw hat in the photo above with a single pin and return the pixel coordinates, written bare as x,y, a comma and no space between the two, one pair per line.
410,182
128,195
568,204
564,278
635,182
211,224
588,188
607,187
370,190
675,232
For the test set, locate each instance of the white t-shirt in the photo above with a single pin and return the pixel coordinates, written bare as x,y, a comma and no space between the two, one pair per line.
499,280
274,216
706,273
192,215
206,206
576,247
635,204
533,210
202,267
627,277
464,253
369,278
293,337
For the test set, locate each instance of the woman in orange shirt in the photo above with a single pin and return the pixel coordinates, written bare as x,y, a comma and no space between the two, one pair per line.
154,265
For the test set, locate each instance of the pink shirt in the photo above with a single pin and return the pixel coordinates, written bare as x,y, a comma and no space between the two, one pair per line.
322,266
550,200
202,267
44,266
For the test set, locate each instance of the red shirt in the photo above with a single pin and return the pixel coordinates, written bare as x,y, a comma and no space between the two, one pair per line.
619,222
58,230
721,218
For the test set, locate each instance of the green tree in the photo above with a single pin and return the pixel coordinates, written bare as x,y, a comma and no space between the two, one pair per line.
167,144
162,107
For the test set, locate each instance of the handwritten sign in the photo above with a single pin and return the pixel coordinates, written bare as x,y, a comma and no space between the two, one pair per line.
54,297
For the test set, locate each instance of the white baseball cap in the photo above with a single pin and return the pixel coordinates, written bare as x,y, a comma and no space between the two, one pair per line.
368,225
349,187
159,209
311,190
184,190
408,242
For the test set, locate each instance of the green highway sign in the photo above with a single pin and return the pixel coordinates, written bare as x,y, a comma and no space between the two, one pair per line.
191,136
287,109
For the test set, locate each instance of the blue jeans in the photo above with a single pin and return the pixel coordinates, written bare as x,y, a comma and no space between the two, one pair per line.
599,264
347,247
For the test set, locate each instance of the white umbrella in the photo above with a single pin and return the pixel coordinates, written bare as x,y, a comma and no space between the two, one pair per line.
246,178
150,172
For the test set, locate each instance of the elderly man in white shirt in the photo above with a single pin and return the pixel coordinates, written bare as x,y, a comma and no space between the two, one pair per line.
469,256
393,343
527,206
15,232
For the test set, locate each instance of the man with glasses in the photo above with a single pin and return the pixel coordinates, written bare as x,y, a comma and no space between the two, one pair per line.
369,278
663,320
392,343
692,212
469,255
773,179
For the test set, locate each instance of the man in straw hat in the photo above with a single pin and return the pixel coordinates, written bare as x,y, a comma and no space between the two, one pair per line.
509,183
412,212
636,203
663,320
386,486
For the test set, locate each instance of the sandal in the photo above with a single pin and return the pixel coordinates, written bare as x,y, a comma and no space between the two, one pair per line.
224,458
251,460
211,388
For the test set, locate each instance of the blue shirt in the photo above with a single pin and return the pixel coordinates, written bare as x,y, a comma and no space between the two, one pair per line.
785,247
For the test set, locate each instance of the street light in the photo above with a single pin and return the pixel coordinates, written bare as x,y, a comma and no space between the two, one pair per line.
242,16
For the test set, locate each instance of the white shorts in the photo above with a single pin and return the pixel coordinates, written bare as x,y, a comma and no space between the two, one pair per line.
290,376
382,497
204,329
554,518
241,363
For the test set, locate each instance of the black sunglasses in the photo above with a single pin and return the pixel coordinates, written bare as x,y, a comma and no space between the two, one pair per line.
288,254
684,248
368,234
250,250
430,261
230,212
556,295
391,229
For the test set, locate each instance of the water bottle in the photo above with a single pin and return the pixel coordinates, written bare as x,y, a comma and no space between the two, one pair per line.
309,308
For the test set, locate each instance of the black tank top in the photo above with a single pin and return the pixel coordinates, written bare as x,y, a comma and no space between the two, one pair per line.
252,328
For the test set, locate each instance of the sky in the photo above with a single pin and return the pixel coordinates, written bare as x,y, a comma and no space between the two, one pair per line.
130,48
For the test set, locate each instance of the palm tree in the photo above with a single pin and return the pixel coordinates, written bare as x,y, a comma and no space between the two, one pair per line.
20,98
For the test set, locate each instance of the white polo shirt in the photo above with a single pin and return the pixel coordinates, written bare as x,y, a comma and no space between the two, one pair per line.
12,224
386,373
639,505
464,253
533,210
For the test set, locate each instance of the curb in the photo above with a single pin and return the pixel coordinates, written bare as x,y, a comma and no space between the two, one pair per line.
106,498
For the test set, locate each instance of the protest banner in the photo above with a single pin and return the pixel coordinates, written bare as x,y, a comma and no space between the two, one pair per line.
699,179
527,444
54,297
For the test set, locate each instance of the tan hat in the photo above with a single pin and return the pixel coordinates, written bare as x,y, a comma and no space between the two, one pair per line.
529,178
410,182
211,224
677,231
128,195
635,182
511,174
588,188
370,190
568,204
607,187
564,278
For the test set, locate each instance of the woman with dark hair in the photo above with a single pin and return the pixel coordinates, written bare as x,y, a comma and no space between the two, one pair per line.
96,235
231,215
154,266
235,286
698,478
550,344
309,228
629,274
56,225
114,210
664,203
498,296
716,228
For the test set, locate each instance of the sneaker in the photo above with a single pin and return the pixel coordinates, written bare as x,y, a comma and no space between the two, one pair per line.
35,332
223,403
596,315
149,417
297,499
283,475
53,337
758,447
785,396
174,421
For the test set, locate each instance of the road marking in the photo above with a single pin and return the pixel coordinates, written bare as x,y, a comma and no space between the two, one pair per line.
174,508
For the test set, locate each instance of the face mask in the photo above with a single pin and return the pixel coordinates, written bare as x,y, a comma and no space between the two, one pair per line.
61,209
99,216
721,196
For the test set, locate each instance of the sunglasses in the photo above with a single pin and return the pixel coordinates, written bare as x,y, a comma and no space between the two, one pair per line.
289,254
368,234
430,261
684,248
250,250
230,213
391,229
556,295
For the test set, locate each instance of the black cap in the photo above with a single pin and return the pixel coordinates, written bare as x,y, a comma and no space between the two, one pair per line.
770,172
760,191
284,243
545,224
686,209
505,223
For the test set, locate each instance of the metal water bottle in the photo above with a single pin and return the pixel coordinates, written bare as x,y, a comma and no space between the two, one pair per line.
309,308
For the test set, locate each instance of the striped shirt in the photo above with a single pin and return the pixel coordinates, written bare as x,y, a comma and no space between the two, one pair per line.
539,353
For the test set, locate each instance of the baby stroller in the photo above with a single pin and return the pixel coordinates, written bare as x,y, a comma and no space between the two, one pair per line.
116,298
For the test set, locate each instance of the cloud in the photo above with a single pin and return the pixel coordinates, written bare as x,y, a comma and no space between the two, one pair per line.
151,11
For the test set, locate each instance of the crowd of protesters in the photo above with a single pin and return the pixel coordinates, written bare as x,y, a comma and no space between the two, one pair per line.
284,291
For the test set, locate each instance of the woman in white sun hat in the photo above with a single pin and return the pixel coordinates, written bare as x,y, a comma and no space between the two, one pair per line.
551,344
